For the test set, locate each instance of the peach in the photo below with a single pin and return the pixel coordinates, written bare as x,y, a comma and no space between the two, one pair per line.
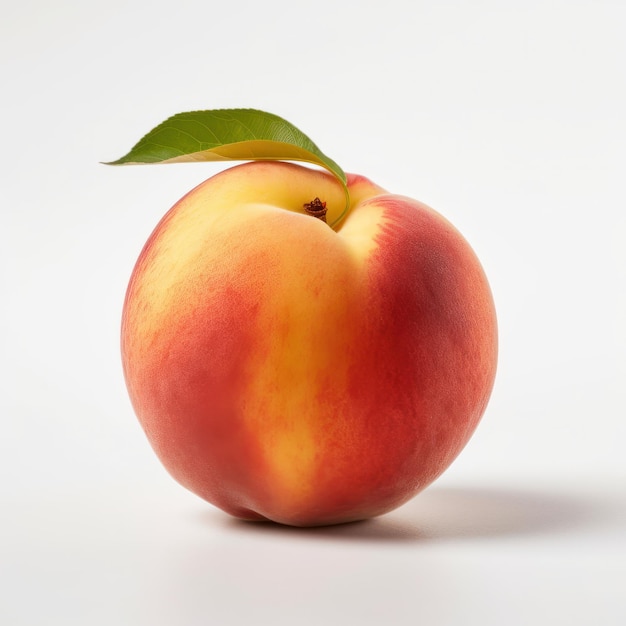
286,370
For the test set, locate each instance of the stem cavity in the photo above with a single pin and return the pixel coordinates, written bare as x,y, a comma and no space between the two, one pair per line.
316,208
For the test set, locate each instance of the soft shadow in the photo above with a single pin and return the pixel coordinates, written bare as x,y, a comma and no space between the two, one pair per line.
444,513
452,513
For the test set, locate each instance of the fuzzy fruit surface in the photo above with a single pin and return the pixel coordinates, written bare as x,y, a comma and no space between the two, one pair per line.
284,370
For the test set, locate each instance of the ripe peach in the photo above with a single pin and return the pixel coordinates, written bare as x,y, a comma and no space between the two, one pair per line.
289,371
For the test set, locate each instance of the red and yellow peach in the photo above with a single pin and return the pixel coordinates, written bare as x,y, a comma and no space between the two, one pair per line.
289,371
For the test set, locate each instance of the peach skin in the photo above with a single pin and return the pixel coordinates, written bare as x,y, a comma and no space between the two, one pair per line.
285,370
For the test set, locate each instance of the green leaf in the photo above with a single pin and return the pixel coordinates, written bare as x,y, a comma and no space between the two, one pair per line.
229,135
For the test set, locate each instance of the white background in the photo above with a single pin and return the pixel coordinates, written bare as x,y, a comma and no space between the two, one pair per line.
507,117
